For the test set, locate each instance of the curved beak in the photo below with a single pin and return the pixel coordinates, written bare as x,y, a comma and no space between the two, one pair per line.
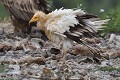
34,19
31,21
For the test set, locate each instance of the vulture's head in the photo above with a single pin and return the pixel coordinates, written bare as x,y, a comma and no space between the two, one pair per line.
38,16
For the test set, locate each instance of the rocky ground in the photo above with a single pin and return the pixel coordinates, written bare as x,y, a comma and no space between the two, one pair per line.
35,59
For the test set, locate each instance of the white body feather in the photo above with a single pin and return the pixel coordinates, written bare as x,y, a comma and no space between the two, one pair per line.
59,21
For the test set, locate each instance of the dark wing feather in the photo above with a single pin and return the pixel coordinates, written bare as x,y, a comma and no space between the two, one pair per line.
83,30
21,11
24,9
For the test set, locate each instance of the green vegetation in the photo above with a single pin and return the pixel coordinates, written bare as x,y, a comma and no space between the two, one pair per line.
113,25
2,68
91,6
3,12
8,79
109,68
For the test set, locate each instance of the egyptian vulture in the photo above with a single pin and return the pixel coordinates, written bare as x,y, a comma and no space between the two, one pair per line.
21,11
66,26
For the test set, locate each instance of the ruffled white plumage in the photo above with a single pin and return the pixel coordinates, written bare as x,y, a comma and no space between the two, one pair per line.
66,26
61,20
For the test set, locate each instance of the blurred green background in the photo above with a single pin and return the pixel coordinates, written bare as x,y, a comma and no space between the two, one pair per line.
91,6
3,12
99,7
103,8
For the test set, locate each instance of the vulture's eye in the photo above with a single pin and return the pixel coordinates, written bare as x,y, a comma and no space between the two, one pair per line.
35,17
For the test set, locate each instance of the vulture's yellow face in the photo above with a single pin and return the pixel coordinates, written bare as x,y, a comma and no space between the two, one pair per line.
38,16
35,18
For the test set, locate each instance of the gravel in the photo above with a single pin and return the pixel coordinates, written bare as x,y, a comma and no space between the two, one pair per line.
36,59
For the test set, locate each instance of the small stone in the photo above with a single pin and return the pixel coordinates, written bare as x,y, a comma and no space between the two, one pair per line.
1,31
55,51
112,37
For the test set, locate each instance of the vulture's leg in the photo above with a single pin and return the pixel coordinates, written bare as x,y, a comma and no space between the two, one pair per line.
66,45
64,53
63,59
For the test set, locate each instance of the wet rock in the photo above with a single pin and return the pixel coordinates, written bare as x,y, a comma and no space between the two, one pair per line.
48,74
112,53
30,60
112,37
52,64
14,70
55,51
18,48
37,42
1,31
4,48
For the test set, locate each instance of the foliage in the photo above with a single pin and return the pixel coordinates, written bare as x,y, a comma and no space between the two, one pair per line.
113,25
2,68
3,12
8,79
91,6
108,68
